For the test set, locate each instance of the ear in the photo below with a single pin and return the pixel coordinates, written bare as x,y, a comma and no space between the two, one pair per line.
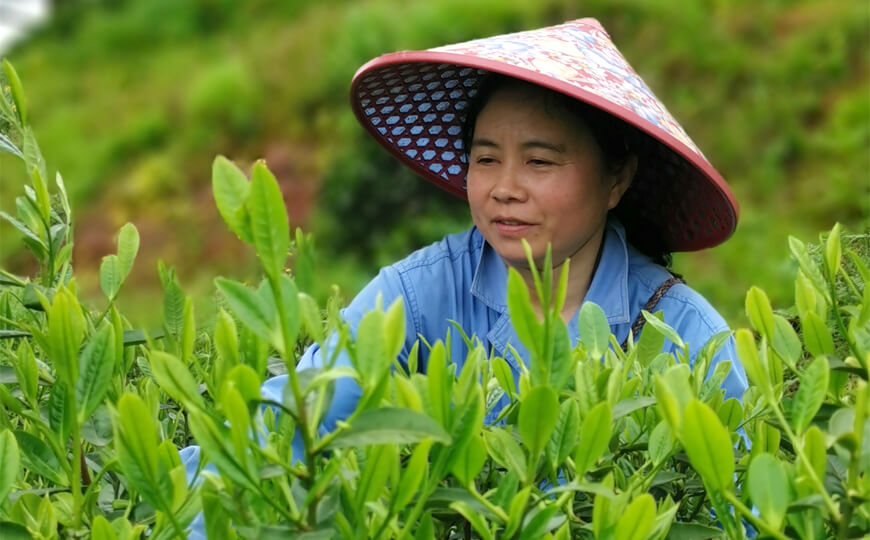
621,180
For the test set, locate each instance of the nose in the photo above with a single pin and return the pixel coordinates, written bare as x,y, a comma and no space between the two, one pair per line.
508,186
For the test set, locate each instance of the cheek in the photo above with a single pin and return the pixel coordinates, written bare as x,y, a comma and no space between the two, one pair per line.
475,192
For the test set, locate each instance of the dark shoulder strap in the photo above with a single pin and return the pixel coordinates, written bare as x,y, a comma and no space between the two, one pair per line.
650,305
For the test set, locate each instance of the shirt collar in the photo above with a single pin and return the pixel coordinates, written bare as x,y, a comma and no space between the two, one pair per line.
608,289
490,278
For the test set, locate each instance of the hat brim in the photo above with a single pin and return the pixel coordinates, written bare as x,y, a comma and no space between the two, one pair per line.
677,196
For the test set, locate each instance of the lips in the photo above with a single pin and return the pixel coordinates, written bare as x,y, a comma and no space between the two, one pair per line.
511,226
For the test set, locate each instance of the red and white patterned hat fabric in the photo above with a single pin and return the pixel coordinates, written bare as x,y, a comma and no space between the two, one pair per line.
414,104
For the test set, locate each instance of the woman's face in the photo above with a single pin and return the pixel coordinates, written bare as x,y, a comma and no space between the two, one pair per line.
535,172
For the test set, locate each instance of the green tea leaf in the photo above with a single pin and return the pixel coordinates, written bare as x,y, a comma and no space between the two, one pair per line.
38,457
236,412
505,377
136,445
390,425
66,328
673,392
10,463
214,440
694,531
188,332
425,529
561,355
769,489
584,384
815,448
467,421
64,199
438,385
26,231
17,91
470,462
32,156
8,146
785,341
413,474
538,413
541,521
407,395
565,434
810,394
516,511
594,437
270,230
110,276
312,320
805,294
43,202
661,443
638,519
808,266
175,379
629,405
708,446
650,343
226,343
476,520
833,252
731,414
522,315
289,315
27,372
173,302
664,329
128,247
101,529
817,336
594,330
380,461
96,364
253,310
505,451
231,189
759,312
755,370
61,414
372,359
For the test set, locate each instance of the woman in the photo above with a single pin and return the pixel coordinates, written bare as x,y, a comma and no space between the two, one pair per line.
552,139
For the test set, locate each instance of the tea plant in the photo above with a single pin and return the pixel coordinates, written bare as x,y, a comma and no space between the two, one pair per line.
593,441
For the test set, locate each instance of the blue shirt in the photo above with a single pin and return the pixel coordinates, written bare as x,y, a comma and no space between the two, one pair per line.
461,278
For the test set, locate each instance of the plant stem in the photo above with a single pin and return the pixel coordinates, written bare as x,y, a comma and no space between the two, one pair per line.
302,420
499,513
76,471
760,524
853,473
811,472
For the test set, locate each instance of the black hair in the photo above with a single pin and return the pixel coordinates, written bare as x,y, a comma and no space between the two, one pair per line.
618,141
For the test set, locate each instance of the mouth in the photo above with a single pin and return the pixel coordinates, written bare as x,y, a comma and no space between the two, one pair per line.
509,226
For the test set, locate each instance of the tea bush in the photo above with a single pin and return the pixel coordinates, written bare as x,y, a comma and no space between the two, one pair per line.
596,441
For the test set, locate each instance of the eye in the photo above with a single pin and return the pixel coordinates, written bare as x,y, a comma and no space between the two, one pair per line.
484,160
538,162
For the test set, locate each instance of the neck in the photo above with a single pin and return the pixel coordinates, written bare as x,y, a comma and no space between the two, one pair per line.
580,272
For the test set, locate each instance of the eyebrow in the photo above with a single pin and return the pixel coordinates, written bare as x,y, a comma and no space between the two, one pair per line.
533,143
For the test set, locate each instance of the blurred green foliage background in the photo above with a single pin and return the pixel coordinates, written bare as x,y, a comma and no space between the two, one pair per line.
132,99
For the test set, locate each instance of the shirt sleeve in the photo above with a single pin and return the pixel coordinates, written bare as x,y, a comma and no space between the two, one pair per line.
696,324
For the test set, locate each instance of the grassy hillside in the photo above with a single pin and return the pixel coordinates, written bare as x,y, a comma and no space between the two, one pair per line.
132,100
